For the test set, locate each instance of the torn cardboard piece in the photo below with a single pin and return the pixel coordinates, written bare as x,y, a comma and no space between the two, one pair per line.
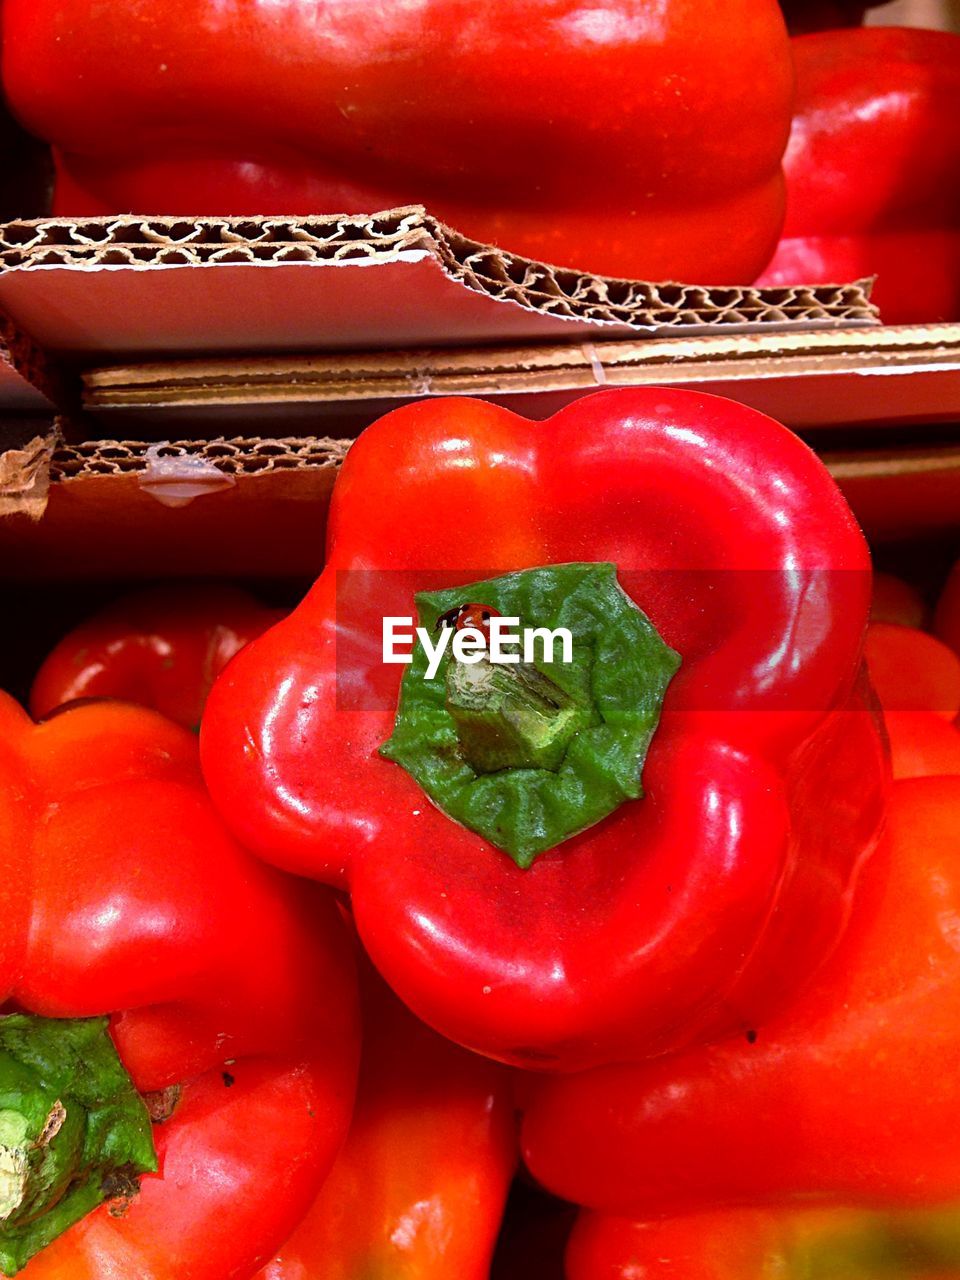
25,476
396,279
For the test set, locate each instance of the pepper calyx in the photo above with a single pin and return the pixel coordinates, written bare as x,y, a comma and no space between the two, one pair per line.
72,1127
529,754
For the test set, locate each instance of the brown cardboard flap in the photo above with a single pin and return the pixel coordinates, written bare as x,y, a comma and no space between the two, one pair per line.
837,377
393,279
256,507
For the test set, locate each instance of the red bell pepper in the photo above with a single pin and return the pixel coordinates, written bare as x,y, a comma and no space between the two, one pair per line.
418,1191
229,990
913,671
758,1244
162,647
629,139
419,1187
917,679
922,744
873,169
764,786
849,1097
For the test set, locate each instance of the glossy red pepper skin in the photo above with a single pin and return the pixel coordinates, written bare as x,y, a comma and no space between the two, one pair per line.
631,140
848,1097
767,1244
917,679
911,670
731,1245
873,169
418,1191
714,515
419,1187
162,647
122,894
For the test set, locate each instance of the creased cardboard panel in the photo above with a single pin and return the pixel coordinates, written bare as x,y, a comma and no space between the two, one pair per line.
394,279
841,377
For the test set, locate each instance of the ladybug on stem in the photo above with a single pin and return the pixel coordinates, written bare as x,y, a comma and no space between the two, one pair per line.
472,617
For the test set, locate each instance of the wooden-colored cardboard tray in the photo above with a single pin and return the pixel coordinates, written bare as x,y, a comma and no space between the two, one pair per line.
813,378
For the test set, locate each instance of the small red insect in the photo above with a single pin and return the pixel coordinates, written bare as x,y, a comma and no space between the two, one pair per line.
475,617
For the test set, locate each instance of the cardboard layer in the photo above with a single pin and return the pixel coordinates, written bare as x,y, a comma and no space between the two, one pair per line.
825,378
229,508
135,286
902,493
254,507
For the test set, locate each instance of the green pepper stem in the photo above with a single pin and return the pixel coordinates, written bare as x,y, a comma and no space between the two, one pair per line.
510,716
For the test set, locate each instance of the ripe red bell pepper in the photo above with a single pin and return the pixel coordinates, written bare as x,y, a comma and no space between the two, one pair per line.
849,1097
230,995
873,169
713,895
162,647
418,1191
913,671
628,139
922,744
917,679
758,1244
419,1188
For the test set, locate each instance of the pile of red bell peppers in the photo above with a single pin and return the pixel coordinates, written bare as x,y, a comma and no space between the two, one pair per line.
648,139
672,920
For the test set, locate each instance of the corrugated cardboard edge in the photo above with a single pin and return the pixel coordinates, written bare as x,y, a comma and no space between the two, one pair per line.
27,473
488,370
25,476
242,456
125,242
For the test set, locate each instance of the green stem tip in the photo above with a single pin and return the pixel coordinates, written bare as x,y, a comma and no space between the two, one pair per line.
511,717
